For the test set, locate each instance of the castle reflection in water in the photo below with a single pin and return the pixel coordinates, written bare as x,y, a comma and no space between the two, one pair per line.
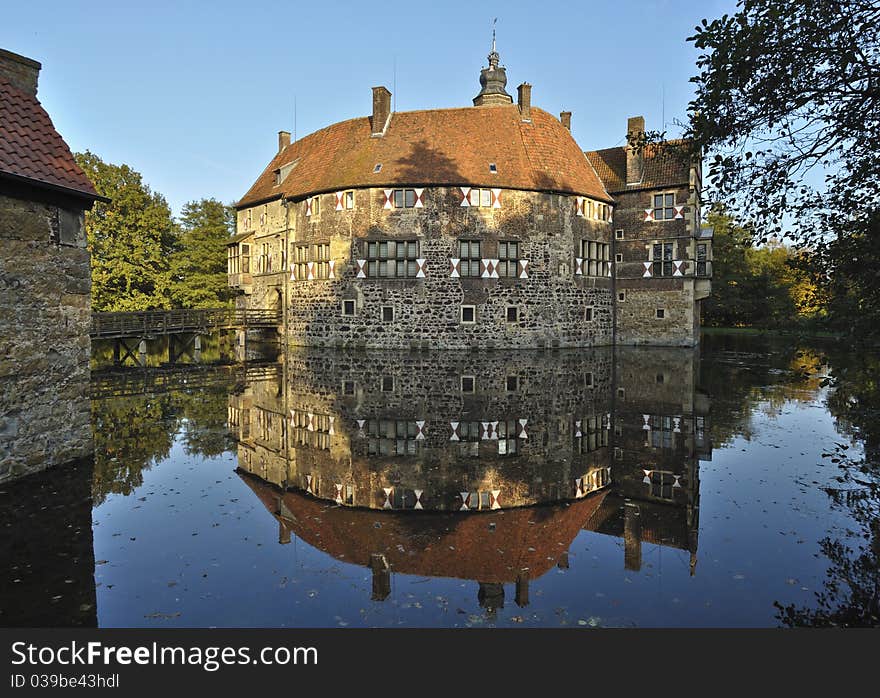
479,466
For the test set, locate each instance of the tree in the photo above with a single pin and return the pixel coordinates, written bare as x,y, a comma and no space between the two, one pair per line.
761,286
787,105
129,239
198,264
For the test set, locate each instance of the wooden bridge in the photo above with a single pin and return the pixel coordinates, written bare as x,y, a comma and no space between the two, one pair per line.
149,324
182,329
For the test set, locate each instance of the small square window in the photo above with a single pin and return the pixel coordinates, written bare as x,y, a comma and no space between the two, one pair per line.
621,392
387,384
512,313
512,383
660,378
467,384
660,313
377,168
618,234
621,296
492,168
618,257
468,314
348,388
588,379
348,308
349,199
588,314
387,313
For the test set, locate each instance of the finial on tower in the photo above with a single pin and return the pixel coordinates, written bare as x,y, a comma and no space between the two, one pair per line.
493,79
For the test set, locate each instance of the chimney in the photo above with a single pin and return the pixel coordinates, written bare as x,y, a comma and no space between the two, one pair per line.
635,162
283,140
20,71
565,118
381,109
524,100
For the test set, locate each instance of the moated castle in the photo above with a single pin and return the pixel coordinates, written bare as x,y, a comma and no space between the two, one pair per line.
475,227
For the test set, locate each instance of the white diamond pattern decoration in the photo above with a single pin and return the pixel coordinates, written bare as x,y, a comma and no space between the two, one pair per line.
387,491
465,193
495,504
454,268
649,215
455,435
420,430
677,268
523,268
386,201
361,272
647,273
523,434
420,198
331,273
578,266
496,198
679,211
339,196
421,266
464,500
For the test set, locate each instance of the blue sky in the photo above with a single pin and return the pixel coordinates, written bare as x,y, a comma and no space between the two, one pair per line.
192,95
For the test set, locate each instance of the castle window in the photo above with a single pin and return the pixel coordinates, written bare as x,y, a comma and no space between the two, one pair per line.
387,313
348,308
480,197
493,168
468,384
603,212
245,259
618,234
265,259
662,484
512,313
315,203
348,199
588,314
508,258
621,296
661,254
660,313
593,436
702,259
468,314
300,260
403,198
589,208
348,387
512,384
508,444
387,384
469,254
233,261
664,207
618,257
596,256
588,379
378,168
392,259
322,260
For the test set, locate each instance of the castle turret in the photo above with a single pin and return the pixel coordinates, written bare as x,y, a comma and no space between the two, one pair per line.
493,80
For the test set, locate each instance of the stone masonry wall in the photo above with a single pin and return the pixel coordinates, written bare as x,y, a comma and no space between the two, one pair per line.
44,337
552,302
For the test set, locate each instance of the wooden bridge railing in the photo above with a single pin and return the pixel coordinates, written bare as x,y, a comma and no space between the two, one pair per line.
153,323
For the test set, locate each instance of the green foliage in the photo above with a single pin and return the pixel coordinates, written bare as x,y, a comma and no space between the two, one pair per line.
755,286
198,264
787,106
129,239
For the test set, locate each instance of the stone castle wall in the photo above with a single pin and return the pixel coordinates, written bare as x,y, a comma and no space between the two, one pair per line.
44,336
551,297
341,422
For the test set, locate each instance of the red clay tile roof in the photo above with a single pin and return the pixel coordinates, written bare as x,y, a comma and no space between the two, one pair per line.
438,147
663,167
436,544
31,148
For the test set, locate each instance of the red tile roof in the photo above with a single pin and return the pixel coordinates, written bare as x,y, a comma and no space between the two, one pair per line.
31,148
436,544
438,147
664,167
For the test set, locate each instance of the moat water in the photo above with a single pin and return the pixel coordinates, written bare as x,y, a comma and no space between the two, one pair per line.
736,485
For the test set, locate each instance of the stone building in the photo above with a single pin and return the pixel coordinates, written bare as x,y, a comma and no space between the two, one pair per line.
45,283
483,226
398,456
